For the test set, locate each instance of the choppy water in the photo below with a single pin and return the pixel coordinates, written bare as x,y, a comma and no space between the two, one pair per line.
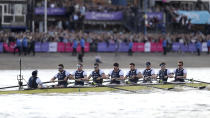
189,103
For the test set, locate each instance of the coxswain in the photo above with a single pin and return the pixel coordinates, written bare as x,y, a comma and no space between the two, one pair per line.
62,77
80,76
164,73
148,73
34,82
133,74
98,75
117,75
180,73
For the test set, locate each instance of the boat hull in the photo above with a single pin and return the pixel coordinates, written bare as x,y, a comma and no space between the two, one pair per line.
100,89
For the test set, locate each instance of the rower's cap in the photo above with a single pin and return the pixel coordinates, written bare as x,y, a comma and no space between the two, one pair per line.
162,64
34,73
116,64
148,63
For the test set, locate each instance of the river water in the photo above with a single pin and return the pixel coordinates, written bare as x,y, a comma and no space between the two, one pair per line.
188,103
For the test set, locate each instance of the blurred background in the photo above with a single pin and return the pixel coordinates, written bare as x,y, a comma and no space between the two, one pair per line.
30,26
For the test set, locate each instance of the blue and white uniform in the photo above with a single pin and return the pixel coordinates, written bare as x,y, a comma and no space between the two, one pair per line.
116,74
61,76
33,82
97,74
132,73
179,72
146,73
163,73
78,75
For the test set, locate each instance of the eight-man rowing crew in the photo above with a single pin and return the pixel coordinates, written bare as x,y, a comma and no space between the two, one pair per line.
116,75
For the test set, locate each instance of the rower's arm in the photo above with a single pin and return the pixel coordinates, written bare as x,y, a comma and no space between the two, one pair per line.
85,78
66,78
154,76
126,77
107,77
53,79
139,75
89,77
121,77
182,77
171,75
103,76
71,77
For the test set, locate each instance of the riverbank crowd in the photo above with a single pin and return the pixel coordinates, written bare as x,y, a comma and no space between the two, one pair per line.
27,42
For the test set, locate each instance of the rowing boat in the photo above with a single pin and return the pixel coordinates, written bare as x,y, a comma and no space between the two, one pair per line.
74,89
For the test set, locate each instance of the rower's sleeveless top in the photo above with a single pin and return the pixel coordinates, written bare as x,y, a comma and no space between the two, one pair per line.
162,74
78,75
96,75
61,76
179,72
115,74
147,72
32,82
133,73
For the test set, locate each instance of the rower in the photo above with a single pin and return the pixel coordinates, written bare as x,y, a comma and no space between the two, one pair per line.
180,73
116,75
98,75
79,75
134,74
148,73
34,82
62,77
164,73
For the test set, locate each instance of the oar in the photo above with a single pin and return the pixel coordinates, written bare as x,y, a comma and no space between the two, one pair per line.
198,81
151,86
9,87
25,85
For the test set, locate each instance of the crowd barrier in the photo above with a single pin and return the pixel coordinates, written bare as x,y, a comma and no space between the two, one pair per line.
124,47
106,47
188,48
58,47
46,47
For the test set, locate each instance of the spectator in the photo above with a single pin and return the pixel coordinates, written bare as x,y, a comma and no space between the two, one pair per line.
198,47
31,46
18,46
208,45
75,44
130,45
82,44
25,45
164,44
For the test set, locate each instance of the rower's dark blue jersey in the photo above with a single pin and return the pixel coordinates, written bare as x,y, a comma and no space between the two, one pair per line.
97,74
147,72
179,72
79,75
115,74
162,74
32,82
132,73
61,76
